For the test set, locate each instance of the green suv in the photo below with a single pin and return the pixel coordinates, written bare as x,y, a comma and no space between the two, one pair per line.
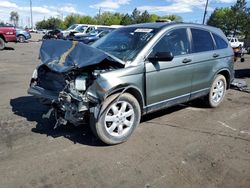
131,72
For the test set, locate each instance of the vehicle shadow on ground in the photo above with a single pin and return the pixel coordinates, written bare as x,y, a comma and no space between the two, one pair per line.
242,73
24,42
9,48
30,108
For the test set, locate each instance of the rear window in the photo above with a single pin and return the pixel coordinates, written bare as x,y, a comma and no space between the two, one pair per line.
220,42
202,41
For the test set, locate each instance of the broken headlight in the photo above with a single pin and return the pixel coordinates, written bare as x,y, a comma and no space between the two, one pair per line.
34,74
80,83
34,77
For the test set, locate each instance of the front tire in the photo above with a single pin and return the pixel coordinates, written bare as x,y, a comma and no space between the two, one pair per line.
118,119
2,44
21,38
217,91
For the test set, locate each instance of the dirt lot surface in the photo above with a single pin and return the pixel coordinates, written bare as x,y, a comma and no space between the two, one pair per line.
184,146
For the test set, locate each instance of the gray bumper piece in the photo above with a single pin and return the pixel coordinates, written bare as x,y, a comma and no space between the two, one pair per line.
42,93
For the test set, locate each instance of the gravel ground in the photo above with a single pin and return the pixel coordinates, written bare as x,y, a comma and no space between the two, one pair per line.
183,146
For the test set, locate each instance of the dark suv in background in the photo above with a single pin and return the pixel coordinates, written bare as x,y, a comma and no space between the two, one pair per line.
130,72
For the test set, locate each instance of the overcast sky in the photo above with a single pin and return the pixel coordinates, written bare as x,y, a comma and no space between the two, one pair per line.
189,10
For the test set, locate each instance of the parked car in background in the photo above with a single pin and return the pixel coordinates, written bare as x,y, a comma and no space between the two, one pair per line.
22,35
42,31
78,28
131,72
7,34
235,43
30,30
53,34
248,50
85,29
92,36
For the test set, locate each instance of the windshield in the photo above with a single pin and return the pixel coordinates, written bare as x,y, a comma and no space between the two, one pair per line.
72,27
125,43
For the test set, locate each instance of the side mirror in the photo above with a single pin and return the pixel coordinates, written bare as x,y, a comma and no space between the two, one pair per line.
161,56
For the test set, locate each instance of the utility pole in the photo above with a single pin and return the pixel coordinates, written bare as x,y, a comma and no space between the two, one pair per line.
205,13
100,9
99,16
31,16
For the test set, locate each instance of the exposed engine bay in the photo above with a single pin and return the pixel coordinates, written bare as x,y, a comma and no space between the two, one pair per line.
63,82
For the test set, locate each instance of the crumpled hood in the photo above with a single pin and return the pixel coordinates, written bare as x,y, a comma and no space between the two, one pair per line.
63,55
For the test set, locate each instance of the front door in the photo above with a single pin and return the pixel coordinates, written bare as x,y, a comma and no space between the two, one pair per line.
169,82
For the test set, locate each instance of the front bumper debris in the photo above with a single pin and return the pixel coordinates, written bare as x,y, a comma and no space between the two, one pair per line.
42,93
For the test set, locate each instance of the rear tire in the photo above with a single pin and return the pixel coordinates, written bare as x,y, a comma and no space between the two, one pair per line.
2,44
118,119
217,91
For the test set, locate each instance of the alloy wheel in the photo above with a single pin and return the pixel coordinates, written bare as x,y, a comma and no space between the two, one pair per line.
119,119
218,91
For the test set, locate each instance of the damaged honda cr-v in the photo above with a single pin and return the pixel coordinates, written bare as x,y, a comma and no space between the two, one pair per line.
130,72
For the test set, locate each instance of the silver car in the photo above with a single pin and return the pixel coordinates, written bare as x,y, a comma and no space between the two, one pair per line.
131,72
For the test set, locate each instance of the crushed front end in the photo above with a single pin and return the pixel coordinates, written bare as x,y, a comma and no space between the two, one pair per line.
64,78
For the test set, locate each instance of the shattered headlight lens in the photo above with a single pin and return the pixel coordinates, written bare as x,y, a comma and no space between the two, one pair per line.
80,83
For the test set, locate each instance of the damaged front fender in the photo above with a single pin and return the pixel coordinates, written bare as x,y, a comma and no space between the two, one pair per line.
114,81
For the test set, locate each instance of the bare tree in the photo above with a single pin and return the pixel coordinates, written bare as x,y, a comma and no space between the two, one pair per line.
14,17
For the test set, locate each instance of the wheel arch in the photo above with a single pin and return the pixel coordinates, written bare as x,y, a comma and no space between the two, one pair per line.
226,74
2,37
134,91
21,35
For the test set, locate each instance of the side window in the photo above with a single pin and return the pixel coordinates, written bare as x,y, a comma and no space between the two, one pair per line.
89,29
202,41
175,41
81,29
103,34
220,43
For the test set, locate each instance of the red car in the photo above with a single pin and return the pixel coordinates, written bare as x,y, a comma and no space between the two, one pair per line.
7,34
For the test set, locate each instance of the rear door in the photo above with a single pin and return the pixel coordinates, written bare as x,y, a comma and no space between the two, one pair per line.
204,58
169,82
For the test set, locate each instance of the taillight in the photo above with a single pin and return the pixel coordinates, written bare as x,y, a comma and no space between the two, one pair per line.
10,33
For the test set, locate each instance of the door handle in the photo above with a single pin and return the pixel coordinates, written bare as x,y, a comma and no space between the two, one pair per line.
216,55
186,60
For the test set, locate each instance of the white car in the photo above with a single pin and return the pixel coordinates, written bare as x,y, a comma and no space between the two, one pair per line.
235,43
78,28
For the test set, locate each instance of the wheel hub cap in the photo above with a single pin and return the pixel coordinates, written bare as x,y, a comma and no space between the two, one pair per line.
119,119
218,91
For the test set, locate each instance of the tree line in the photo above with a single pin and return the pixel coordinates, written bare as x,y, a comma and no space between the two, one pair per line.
234,20
105,18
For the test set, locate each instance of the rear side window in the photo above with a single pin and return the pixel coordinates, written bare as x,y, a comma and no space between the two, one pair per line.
220,43
202,41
